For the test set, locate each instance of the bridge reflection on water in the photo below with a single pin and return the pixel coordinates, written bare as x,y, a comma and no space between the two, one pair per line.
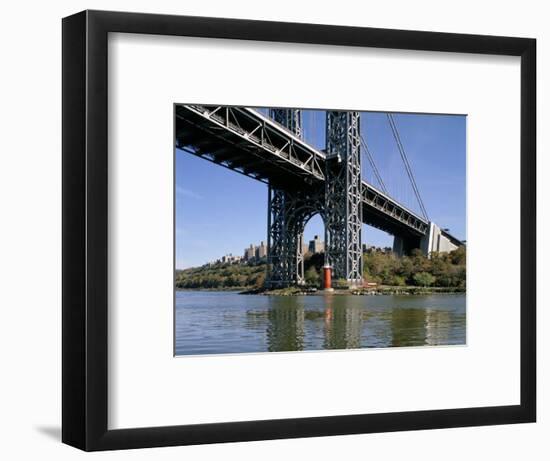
217,323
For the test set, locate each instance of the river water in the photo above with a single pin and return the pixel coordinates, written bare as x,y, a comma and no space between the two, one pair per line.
226,322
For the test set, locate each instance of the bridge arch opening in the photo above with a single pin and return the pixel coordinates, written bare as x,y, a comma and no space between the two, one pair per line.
313,249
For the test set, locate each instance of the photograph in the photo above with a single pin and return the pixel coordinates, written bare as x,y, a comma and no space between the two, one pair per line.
343,230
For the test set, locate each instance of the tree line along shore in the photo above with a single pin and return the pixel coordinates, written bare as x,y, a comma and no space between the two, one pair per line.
383,273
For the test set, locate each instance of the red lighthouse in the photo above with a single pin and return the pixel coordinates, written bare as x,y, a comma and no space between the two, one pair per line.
327,277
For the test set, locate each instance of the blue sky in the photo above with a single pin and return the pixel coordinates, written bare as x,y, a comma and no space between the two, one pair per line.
219,211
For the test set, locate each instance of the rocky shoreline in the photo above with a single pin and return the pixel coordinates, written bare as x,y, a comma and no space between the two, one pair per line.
378,291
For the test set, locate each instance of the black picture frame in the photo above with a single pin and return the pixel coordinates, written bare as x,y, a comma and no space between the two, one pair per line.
85,220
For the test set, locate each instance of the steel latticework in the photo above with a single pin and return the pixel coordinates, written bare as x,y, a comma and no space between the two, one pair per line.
277,229
289,118
340,203
288,213
343,196
243,140
285,217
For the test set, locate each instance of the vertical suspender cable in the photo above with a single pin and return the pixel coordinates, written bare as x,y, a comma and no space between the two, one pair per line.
406,163
373,165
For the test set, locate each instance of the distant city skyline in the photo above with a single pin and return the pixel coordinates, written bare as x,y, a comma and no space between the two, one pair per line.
258,252
212,221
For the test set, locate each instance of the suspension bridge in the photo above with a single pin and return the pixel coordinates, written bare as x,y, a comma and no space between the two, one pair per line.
304,181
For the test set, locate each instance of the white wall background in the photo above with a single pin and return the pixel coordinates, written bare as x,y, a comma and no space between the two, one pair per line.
30,241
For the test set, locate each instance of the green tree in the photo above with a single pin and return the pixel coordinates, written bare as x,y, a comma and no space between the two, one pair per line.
312,277
396,280
442,270
458,256
259,282
423,279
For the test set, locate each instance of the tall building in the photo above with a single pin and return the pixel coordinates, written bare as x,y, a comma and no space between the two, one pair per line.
261,250
250,253
316,245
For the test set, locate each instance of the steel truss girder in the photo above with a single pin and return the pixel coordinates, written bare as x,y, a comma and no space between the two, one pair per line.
343,196
389,208
250,132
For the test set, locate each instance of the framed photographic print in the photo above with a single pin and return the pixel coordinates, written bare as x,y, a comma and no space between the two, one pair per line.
276,230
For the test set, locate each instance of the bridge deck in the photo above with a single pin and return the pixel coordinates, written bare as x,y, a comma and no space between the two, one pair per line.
383,212
244,140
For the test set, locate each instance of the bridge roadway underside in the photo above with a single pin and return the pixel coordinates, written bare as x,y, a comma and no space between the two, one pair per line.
239,139
411,238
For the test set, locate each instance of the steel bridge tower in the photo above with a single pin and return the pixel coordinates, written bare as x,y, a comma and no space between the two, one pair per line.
291,119
343,196
285,223
339,203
